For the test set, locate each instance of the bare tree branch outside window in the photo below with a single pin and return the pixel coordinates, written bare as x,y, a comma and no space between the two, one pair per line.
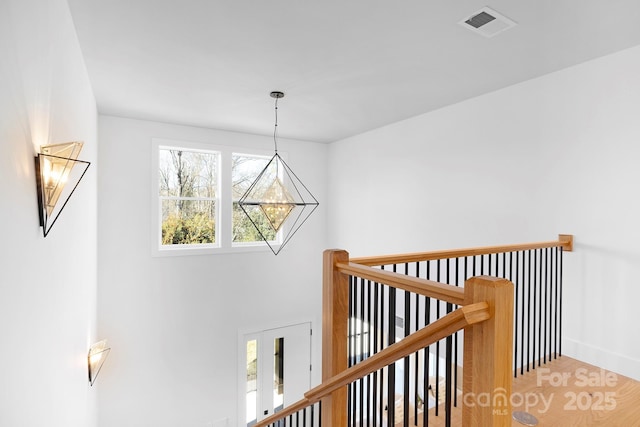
188,190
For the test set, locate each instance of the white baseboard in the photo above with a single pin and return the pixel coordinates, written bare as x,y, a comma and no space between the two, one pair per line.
603,358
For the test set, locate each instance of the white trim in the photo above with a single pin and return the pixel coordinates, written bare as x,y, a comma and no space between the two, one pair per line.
600,357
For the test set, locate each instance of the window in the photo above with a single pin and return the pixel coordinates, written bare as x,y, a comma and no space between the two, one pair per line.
244,170
188,190
358,340
196,191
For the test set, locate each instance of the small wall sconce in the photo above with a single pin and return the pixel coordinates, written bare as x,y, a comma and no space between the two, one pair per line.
97,355
54,165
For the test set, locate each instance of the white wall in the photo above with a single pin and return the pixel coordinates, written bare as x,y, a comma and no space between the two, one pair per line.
173,322
558,154
47,286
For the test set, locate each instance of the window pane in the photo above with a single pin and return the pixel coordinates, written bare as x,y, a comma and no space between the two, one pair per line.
359,338
188,221
244,230
278,375
244,170
186,176
185,173
252,382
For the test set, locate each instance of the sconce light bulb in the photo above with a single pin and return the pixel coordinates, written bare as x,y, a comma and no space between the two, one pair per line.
55,174
95,358
47,173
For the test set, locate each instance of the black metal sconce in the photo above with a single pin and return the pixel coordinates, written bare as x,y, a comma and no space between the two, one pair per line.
54,166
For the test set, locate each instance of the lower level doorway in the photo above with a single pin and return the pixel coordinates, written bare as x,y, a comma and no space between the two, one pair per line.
275,370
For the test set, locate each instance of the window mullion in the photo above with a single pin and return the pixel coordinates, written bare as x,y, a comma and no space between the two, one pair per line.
187,198
225,211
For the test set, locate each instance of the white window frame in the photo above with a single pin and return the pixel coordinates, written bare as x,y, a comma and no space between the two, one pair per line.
224,202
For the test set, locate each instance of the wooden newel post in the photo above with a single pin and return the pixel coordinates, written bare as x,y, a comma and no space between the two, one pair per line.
488,353
335,317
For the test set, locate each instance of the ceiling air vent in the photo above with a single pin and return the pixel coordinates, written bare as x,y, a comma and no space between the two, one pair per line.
487,22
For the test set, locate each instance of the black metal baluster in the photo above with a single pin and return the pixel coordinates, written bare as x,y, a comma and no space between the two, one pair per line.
448,379
374,332
549,296
560,284
448,358
407,332
354,319
473,270
544,309
555,310
352,411
384,372
535,299
504,265
369,351
392,368
515,307
455,348
523,286
362,353
359,348
350,349
550,336
304,416
540,288
437,373
551,303
529,288
425,368
416,361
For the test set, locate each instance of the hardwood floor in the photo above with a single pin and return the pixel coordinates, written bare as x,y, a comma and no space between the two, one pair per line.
574,393
566,393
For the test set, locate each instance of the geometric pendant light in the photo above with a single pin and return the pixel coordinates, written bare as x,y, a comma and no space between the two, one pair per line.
58,173
277,197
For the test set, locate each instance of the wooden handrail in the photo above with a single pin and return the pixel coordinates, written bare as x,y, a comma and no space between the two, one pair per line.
441,328
564,240
462,317
441,291
289,410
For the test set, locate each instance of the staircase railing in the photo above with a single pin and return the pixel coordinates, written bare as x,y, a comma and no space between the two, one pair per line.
360,304
534,268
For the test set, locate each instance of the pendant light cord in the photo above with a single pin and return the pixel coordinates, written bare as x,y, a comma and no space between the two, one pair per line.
275,128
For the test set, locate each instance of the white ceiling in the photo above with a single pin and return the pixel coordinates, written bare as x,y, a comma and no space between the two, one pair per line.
346,66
